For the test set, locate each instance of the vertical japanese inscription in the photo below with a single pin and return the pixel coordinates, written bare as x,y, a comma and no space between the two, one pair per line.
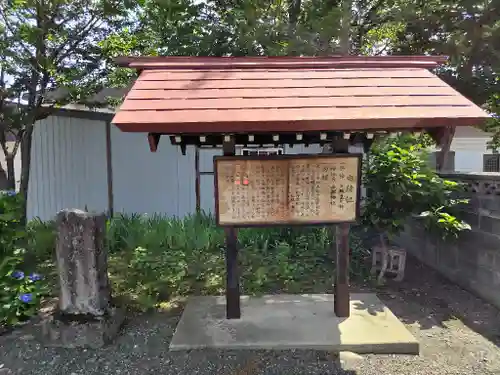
292,190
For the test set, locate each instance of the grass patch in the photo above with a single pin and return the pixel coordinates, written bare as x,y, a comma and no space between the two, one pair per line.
153,260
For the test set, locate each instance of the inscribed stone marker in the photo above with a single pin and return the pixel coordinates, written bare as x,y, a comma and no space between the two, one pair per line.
82,263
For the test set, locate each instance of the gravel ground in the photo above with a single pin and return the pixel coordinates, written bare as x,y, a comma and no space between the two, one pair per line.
459,335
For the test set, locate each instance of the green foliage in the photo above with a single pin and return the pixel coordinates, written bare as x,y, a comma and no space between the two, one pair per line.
20,294
442,222
493,125
401,184
11,228
49,56
156,259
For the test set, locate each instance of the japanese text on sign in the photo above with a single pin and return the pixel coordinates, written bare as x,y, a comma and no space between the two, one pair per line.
296,190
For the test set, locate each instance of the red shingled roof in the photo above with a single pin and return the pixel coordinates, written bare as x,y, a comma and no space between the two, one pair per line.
196,95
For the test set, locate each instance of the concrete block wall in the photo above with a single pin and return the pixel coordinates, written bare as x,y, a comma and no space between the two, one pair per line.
472,260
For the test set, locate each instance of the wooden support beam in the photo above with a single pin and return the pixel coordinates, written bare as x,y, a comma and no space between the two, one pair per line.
153,139
197,179
341,284
341,287
109,170
445,143
233,309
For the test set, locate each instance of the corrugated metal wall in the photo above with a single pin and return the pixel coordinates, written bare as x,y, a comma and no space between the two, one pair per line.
68,170
68,166
151,182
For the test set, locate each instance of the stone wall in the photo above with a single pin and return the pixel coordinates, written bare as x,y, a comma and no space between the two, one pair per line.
472,260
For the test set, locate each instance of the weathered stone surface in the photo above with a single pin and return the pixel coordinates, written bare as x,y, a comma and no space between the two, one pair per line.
491,203
473,260
470,218
490,224
85,316
448,255
77,334
82,263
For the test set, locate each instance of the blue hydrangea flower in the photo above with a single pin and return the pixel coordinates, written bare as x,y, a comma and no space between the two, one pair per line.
26,297
18,275
11,193
35,277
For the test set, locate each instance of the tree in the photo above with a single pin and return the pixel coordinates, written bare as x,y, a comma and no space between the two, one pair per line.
48,45
468,31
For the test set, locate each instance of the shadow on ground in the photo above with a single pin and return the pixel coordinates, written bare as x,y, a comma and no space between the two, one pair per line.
428,299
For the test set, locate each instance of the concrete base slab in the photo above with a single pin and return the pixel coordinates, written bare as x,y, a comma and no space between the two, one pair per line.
94,334
280,322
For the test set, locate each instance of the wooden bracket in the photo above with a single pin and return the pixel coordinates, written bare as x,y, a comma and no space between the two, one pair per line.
183,149
437,134
367,142
228,145
340,146
153,139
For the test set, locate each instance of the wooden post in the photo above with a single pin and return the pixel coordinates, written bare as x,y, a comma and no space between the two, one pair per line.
445,143
197,179
341,286
233,309
109,170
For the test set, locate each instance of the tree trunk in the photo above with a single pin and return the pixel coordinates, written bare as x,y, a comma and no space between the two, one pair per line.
11,173
294,8
344,41
25,167
345,29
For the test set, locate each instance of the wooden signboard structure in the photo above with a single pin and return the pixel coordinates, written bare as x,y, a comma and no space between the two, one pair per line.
286,190
336,101
289,190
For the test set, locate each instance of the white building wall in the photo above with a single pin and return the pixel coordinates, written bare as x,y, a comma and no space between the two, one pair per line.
68,167
469,153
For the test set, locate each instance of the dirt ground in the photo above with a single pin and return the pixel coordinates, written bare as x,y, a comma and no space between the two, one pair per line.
459,334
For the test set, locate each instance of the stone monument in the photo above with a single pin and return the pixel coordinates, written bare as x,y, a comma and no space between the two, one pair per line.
85,316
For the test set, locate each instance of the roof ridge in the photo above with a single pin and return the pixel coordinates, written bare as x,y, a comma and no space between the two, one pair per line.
279,62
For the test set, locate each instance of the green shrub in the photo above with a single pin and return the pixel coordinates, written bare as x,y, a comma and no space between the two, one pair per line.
11,228
155,258
400,184
40,241
20,294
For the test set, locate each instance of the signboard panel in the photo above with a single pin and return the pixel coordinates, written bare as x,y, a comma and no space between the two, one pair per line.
287,189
